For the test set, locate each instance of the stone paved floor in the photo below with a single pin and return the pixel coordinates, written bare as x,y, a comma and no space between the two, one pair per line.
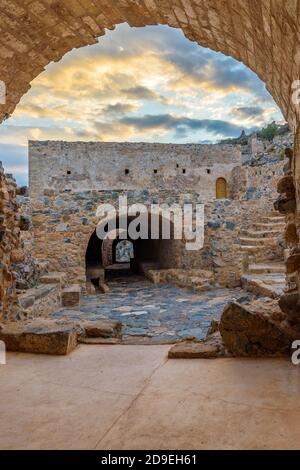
155,314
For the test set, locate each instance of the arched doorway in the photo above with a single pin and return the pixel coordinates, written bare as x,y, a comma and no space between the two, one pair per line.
221,188
118,255
123,251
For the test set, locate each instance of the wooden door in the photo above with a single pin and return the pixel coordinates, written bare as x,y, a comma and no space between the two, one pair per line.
221,188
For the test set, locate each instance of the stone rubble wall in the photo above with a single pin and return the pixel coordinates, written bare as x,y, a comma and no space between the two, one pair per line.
64,219
10,247
257,182
29,271
19,270
64,223
98,166
221,252
288,204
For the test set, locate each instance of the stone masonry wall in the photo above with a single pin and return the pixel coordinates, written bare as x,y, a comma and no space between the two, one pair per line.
257,182
221,252
10,246
82,166
64,223
67,182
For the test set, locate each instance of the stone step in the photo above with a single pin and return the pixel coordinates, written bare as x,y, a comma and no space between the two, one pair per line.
278,219
54,278
70,296
249,248
261,286
101,329
209,348
39,337
270,226
261,233
58,336
272,214
265,268
258,241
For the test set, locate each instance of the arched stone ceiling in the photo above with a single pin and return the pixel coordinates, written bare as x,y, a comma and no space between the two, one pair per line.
263,34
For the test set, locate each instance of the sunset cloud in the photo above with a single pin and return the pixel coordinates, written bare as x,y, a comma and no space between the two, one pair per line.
138,84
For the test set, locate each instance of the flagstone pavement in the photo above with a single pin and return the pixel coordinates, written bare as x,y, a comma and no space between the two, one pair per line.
155,314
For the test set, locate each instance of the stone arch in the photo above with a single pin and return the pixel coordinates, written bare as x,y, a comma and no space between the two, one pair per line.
164,253
108,247
263,35
221,188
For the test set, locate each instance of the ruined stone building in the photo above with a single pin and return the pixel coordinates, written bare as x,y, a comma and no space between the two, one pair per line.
264,36
89,402
68,182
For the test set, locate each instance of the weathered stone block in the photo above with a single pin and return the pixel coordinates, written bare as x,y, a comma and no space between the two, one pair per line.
290,305
70,296
39,336
101,328
17,256
252,329
54,278
286,186
291,235
25,223
293,263
285,206
210,348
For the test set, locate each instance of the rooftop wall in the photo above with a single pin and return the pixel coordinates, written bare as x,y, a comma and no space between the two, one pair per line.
80,166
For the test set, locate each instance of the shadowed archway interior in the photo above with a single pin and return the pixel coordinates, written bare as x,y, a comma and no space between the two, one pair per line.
102,256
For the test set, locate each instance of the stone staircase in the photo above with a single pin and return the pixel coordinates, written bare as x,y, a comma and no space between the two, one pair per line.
262,247
263,241
267,279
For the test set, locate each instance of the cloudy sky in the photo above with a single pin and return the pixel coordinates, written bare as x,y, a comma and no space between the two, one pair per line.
148,84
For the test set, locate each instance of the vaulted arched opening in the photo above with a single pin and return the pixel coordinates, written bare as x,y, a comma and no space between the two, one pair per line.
119,254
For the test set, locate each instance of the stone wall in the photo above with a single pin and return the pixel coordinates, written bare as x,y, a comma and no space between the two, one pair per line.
84,166
257,181
286,204
221,253
67,182
29,270
10,246
65,221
